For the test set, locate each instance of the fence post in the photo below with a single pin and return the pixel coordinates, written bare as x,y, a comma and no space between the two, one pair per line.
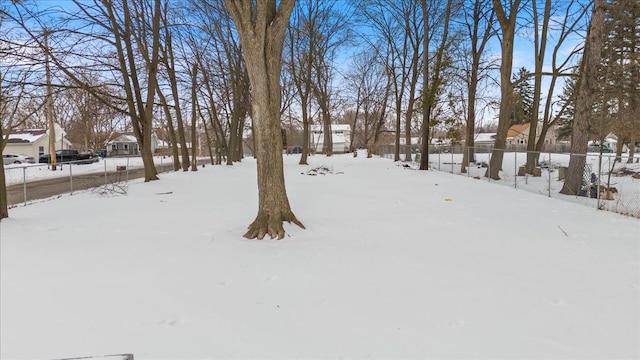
515,168
599,181
549,171
127,169
71,178
451,150
489,164
24,184
105,171
468,161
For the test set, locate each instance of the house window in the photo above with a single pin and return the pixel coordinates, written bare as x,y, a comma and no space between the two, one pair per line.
40,150
522,141
126,146
113,147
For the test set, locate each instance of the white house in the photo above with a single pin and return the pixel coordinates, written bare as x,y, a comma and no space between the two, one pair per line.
126,144
484,139
340,137
35,142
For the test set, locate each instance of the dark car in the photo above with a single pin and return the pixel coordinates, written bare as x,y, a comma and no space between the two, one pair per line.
69,155
595,148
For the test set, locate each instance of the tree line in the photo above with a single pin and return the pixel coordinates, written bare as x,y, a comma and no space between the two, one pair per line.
229,75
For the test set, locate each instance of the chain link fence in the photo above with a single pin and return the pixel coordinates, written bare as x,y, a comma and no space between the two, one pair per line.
27,182
608,183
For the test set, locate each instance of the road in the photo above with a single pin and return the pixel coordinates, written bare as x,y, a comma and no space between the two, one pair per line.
47,188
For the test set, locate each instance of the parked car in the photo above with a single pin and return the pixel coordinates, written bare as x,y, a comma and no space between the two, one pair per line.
8,159
69,155
595,148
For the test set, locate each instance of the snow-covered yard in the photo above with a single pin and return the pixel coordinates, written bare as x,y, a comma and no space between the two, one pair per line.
394,263
626,199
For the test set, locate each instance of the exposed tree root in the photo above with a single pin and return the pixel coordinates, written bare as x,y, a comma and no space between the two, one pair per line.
270,225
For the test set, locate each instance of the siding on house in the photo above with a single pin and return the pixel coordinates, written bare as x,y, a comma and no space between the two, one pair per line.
35,142
340,137
126,144
518,134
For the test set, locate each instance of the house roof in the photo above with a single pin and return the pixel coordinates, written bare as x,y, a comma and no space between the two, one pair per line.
122,138
334,127
26,136
484,137
518,129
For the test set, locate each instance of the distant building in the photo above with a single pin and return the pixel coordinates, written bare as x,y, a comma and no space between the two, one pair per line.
126,144
519,135
340,137
484,139
35,142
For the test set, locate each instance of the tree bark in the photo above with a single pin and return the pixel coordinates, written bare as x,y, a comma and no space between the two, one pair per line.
508,26
4,204
585,98
49,106
540,47
172,132
169,63
194,116
261,26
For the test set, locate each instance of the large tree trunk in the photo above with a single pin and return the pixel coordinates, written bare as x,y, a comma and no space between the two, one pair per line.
540,45
469,142
194,117
169,62
172,132
507,25
4,203
305,134
262,28
632,148
49,106
584,100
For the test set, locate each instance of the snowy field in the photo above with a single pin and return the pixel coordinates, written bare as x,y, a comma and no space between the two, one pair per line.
394,263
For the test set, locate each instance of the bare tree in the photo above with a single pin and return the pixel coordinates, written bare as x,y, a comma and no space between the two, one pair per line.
586,92
215,47
397,26
261,26
543,23
168,60
301,48
478,23
92,37
507,18
318,29
370,84
432,82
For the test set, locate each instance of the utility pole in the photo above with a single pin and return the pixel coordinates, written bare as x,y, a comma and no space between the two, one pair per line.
49,104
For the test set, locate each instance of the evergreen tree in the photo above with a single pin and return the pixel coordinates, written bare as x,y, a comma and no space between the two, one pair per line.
522,98
567,109
620,72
